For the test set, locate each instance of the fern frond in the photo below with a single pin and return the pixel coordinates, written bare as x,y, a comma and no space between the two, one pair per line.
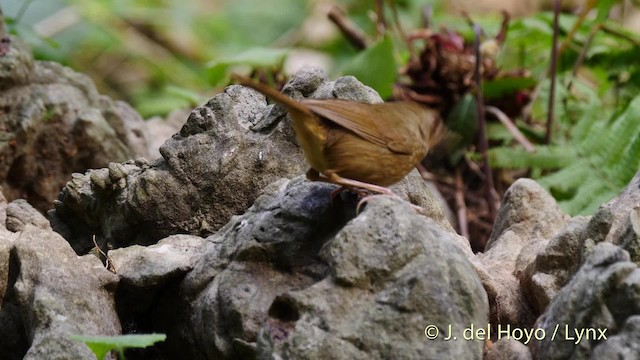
600,157
568,178
629,164
620,134
546,157
593,188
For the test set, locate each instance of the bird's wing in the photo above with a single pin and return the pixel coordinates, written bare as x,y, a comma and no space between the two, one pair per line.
398,133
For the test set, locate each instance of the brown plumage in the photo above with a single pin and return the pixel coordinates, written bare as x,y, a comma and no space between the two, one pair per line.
358,145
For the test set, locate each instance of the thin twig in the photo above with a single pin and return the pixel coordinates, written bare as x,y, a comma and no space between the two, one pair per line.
354,35
3,29
424,173
57,22
588,6
552,71
583,54
427,176
463,224
22,10
483,143
477,220
513,129
615,32
427,15
474,167
381,22
504,27
396,20
108,263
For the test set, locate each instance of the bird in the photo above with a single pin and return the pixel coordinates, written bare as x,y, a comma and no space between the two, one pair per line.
358,145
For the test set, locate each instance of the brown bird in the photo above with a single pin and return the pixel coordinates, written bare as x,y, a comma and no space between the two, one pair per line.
357,145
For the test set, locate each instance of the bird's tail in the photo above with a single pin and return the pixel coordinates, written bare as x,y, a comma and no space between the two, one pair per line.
268,91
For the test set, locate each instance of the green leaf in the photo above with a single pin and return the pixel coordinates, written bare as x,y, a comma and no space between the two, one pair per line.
462,124
463,119
161,103
101,345
254,57
498,132
186,94
500,87
376,67
604,7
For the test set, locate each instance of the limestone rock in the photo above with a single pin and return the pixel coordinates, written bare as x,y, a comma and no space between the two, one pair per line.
145,271
624,345
392,273
555,264
508,349
603,296
617,222
3,211
20,213
49,294
53,123
528,217
613,221
288,279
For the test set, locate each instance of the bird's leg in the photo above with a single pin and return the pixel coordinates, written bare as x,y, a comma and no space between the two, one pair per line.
351,184
356,186
314,175
424,173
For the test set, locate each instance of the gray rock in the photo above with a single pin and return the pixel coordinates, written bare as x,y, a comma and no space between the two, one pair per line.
368,289
602,296
555,264
214,168
612,221
55,123
13,339
508,349
16,65
51,294
3,211
392,273
144,271
567,251
527,209
527,218
159,129
631,239
20,214
270,249
624,345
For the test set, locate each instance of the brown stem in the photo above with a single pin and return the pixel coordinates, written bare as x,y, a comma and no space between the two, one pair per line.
483,143
427,15
381,22
356,37
552,71
474,167
23,10
504,27
615,32
581,17
463,223
583,54
3,29
396,20
513,129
